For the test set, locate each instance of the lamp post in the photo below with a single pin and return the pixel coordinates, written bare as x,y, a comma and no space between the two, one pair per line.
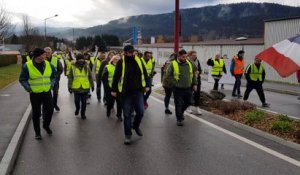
46,24
177,27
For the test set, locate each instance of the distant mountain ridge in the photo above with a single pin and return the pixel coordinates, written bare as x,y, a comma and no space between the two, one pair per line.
220,21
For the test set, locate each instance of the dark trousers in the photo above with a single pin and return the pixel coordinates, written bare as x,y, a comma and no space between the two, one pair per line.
196,94
237,84
80,98
147,94
55,92
182,99
98,90
37,100
259,89
110,103
168,94
216,85
133,100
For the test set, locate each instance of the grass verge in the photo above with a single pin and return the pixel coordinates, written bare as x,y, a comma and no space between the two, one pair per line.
9,74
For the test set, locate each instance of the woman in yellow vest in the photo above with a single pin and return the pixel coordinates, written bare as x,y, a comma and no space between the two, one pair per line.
80,82
107,78
255,76
38,78
218,67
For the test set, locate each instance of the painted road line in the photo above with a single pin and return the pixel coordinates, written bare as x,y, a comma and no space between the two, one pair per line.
243,139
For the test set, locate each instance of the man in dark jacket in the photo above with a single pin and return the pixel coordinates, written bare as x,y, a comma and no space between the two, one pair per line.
131,81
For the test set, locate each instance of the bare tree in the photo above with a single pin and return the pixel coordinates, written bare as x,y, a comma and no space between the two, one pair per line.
31,38
6,27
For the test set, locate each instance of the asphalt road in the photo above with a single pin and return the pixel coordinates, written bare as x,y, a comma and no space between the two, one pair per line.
95,146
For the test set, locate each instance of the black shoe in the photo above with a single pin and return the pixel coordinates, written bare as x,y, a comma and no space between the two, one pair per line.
108,113
38,137
167,111
179,123
265,105
48,130
138,131
127,140
56,108
239,96
76,111
119,118
83,117
234,95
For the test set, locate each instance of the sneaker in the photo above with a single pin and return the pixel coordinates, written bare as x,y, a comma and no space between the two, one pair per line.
127,140
189,110
38,137
83,117
167,111
76,111
197,111
138,131
179,123
48,130
239,96
56,108
265,105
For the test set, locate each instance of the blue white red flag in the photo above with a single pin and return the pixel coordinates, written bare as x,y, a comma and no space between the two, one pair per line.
284,56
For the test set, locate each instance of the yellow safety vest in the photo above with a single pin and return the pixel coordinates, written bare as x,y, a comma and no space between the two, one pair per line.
28,58
54,62
256,74
217,69
98,64
68,66
92,59
148,65
38,82
81,78
176,72
138,61
111,72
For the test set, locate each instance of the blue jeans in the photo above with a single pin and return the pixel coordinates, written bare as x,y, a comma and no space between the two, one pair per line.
136,101
182,99
80,97
237,84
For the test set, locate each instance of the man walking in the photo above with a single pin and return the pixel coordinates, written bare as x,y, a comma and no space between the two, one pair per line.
38,78
149,63
131,81
255,75
182,75
237,70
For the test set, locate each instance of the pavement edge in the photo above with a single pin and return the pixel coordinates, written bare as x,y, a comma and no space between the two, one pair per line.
11,152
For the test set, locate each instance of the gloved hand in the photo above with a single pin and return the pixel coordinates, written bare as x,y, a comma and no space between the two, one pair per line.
70,90
93,89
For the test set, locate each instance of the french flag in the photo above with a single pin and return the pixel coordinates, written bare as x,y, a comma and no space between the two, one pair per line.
284,56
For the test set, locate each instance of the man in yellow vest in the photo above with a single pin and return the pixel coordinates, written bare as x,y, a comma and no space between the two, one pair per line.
59,69
181,73
149,63
218,67
237,69
131,81
38,78
80,82
255,75
107,78
98,74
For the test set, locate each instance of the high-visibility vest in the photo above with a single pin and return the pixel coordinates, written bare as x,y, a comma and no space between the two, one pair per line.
238,66
81,78
217,69
92,60
111,72
148,65
68,66
255,73
138,61
28,58
54,62
39,82
98,64
176,71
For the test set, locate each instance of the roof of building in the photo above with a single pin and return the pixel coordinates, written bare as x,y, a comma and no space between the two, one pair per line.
10,53
282,19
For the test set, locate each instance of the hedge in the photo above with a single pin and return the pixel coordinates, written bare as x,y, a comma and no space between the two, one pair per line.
6,60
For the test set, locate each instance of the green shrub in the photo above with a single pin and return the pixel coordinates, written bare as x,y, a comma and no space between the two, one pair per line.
6,60
254,116
282,126
285,118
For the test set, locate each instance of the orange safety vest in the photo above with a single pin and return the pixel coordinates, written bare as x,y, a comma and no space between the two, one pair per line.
238,66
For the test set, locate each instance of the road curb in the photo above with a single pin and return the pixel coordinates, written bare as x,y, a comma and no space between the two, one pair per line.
8,85
249,129
12,150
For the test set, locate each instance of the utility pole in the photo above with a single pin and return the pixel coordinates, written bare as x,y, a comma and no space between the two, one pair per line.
177,27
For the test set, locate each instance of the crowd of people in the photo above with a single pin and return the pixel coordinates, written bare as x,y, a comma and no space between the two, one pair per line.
127,79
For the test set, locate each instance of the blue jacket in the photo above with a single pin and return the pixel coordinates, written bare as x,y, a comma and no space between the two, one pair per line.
24,77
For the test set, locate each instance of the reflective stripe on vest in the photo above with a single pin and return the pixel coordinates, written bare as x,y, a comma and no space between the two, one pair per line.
111,72
68,66
148,65
81,78
176,71
98,66
238,66
217,69
38,82
138,61
256,74
54,62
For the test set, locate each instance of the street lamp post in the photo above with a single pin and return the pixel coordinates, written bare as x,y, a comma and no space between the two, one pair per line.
46,24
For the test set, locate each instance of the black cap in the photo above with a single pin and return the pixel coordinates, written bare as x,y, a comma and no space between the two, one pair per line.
241,51
128,48
38,52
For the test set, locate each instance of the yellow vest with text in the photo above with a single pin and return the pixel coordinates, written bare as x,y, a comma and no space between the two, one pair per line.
81,78
217,69
139,62
39,82
111,72
256,74
176,71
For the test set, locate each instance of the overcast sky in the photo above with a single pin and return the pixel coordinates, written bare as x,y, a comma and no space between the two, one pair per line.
87,13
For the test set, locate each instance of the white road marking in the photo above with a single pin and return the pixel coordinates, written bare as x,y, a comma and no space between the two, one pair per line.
243,139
